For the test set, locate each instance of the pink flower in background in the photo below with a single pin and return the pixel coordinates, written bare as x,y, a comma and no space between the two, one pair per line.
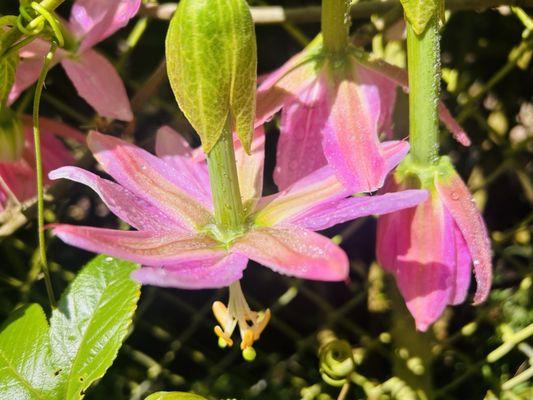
19,179
94,77
431,248
342,107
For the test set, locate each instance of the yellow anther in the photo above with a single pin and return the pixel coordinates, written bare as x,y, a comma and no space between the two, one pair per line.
224,336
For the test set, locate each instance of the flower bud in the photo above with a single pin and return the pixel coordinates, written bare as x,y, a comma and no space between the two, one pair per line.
11,136
212,67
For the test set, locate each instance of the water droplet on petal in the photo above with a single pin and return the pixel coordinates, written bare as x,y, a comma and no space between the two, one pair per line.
455,196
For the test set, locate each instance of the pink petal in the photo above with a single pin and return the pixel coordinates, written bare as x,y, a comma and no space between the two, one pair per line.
97,81
351,143
424,264
250,169
394,151
294,251
463,272
329,214
95,20
176,152
299,150
205,274
172,191
19,178
461,205
399,76
318,187
142,247
136,211
284,84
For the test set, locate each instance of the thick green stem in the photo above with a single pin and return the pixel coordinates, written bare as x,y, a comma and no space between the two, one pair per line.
423,57
225,183
335,25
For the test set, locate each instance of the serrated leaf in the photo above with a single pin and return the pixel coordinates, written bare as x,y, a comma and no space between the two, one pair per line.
419,12
8,68
90,323
174,396
212,66
25,371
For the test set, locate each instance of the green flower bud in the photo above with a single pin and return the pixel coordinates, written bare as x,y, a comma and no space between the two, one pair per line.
8,68
212,66
11,136
420,12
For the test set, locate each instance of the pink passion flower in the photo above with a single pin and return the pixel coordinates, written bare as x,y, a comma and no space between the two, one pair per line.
93,76
431,248
167,199
340,105
17,177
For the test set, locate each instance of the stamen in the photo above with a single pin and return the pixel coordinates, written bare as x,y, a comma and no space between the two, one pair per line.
251,323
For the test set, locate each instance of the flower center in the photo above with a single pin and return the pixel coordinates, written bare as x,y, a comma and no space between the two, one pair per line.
238,313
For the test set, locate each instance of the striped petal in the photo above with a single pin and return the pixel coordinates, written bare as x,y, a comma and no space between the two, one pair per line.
461,206
142,247
131,208
250,169
150,178
294,251
204,274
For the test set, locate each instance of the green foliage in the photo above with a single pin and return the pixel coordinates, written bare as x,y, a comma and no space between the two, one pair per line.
419,12
212,67
8,67
86,331
174,396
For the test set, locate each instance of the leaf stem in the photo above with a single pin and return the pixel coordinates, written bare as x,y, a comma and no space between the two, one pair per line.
335,25
39,173
423,58
225,182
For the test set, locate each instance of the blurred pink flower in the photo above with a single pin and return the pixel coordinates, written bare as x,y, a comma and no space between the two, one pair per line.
93,76
430,248
334,111
168,200
18,177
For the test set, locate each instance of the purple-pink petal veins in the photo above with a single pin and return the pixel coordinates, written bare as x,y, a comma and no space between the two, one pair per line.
149,177
129,207
148,248
351,144
97,81
461,206
316,188
282,85
294,251
205,274
95,20
399,76
299,150
332,213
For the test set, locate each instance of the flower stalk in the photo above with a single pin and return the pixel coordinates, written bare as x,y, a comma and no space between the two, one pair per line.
423,57
225,183
335,25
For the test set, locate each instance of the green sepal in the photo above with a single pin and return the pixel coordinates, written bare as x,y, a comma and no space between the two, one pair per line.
212,67
412,175
419,12
174,396
8,68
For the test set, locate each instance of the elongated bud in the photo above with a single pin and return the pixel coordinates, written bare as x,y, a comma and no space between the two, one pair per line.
8,68
11,136
420,12
212,66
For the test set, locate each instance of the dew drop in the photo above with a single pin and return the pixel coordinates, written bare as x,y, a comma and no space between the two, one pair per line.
455,196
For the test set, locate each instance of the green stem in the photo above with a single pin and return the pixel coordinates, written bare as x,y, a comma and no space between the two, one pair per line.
335,25
423,58
39,172
225,183
14,34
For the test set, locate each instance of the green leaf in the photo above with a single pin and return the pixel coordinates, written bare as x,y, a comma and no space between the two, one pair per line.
90,323
25,371
419,12
8,68
212,67
174,396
